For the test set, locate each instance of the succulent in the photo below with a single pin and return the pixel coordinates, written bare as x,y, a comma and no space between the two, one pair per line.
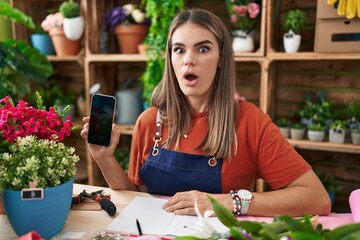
295,21
70,9
316,127
297,126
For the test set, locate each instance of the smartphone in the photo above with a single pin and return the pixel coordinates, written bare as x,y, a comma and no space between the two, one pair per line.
102,113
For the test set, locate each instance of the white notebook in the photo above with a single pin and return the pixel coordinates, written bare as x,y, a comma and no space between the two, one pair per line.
156,221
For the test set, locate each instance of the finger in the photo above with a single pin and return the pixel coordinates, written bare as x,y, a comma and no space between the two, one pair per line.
86,119
185,211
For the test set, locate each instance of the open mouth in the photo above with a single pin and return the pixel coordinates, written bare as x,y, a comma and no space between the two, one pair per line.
190,77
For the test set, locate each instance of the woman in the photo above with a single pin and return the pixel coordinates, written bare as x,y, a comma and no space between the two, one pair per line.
197,140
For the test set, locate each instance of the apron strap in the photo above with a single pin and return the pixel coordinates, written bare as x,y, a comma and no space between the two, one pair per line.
157,136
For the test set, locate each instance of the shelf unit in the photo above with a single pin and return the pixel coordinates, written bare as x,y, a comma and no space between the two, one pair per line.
267,77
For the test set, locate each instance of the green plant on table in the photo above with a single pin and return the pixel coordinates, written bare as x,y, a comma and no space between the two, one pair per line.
70,9
338,126
295,20
282,227
297,126
356,128
283,122
161,13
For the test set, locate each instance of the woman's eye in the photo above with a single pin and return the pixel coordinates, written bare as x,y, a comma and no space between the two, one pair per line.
178,50
203,49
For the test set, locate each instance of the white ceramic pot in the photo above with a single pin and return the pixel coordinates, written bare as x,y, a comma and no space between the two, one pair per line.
297,134
316,136
291,42
285,131
336,137
242,42
355,138
74,28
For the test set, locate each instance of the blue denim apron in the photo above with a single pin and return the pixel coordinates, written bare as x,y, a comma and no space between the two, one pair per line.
167,172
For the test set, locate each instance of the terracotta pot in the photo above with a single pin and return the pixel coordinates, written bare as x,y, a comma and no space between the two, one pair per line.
62,45
130,36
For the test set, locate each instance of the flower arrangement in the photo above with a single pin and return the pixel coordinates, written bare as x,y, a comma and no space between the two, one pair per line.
52,21
283,227
243,14
31,147
127,14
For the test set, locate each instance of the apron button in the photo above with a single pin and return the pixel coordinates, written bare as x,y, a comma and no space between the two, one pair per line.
212,162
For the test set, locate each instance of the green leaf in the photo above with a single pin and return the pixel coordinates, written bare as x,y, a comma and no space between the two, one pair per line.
302,225
224,214
344,232
305,236
186,238
16,15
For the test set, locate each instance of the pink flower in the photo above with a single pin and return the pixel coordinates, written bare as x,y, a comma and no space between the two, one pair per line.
254,10
23,120
240,10
51,21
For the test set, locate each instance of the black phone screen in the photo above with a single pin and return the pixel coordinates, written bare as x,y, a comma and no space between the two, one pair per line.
101,119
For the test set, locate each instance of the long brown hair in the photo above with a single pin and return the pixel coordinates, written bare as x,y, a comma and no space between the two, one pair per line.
220,140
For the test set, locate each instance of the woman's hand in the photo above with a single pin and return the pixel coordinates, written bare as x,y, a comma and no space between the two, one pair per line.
98,151
182,203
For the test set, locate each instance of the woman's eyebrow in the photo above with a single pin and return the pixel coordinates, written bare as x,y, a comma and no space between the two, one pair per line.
195,45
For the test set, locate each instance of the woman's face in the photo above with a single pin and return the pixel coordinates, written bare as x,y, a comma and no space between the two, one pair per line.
195,58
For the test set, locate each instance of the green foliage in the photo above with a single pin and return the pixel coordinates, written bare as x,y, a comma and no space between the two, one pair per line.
352,110
161,13
122,155
295,21
297,126
330,183
282,227
9,12
70,9
317,109
338,124
20,66
356,129
316,127
48,162
283,122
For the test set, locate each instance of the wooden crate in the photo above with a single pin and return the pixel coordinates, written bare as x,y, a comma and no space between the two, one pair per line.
275,29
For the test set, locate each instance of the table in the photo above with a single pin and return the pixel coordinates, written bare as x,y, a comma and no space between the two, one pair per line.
95,221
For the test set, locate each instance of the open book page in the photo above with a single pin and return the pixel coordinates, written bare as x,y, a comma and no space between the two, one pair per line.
156,221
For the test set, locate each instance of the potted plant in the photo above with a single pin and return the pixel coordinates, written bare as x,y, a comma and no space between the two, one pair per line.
73,23
297,131
284,126
53,23
337,131
316,132
35,166
243,16
131,26
294,24
355,134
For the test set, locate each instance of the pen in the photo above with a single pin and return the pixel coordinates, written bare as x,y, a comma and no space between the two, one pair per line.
138,227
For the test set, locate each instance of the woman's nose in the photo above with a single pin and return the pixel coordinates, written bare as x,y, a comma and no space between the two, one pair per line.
189,59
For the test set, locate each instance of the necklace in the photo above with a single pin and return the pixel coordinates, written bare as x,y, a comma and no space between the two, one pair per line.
202,118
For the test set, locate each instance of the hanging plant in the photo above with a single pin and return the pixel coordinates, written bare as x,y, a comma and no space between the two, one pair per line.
161,13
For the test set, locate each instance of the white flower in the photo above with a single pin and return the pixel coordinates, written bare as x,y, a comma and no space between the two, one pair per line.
129,8
138,16
202,228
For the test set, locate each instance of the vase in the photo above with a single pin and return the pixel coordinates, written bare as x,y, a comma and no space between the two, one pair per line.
297,134
43,43
355,138
62,45
291,42
46,216
74,28
316,136
130,36
129,105
242,42
336,137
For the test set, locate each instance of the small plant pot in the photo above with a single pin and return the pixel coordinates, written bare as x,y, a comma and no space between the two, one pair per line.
285,131
242,42
74,28
336,137
355,138
291,42
297,134
316,136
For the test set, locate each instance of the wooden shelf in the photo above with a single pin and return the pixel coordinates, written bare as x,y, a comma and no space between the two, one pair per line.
126,129
116,58
54,58
311,56
325,146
